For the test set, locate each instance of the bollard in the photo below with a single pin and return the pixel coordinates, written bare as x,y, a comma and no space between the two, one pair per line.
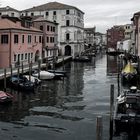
5,80
99,128
111,110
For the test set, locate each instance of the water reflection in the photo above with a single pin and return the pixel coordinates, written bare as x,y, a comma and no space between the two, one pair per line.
68,106
112,65
56,93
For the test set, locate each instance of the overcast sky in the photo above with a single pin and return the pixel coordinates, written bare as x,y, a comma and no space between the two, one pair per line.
100,13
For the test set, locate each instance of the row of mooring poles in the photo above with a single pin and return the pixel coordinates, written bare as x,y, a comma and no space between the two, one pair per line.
99,122
18,72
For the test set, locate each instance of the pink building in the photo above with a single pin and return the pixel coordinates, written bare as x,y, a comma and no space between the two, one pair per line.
50,37
18,44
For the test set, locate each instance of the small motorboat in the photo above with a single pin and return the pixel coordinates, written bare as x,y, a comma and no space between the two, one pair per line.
44,75
33,79
5,97
82,59
127,112
58,71
128,73
21,83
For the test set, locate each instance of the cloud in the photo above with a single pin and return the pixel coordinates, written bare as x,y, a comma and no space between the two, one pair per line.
102,13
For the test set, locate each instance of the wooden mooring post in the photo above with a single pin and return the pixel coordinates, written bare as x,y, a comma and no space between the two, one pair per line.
39,67
5,80
99,128
111,111
22,68
118,81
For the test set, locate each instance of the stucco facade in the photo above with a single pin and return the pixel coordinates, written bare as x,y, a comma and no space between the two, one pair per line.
70,28
18,44
50,37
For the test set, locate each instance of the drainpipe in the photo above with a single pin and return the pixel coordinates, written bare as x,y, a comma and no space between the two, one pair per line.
10,40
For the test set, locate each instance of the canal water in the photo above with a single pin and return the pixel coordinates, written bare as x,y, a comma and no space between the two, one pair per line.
63,109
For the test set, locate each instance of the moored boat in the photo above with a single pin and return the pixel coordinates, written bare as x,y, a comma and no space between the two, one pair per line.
127,112
43,75
128,73
21,83
5,97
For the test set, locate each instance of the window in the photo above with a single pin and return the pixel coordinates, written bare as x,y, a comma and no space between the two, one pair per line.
31,55
67,12
29,39
4,39
67,23
25,55
67,36
47,13
41,27
18,57
15,39
47,39
15,57
54,12
48,28
21,56
35,39
22,38
28,56
32,14
53,29
40,39
0,13
12,14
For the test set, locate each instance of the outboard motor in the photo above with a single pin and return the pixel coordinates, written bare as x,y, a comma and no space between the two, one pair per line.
133,89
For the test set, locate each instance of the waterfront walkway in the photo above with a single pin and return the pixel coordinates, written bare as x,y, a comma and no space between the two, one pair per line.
26,68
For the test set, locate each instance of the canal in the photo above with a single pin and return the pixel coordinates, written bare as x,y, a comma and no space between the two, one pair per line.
63,109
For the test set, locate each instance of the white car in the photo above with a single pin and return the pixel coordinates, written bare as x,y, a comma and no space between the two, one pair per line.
44,75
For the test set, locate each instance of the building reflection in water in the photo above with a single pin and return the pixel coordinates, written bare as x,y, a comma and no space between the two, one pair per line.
55,93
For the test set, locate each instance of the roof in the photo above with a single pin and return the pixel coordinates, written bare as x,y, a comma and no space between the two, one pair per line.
6,24
52,6
7,8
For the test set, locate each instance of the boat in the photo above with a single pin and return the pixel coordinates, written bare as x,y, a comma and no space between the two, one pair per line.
33,79
60,73
43,75
21,83
5,97
127,112
129,73
82,59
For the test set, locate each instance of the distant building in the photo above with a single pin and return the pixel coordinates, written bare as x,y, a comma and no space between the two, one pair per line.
70,28
136,33
8,11
127,30
18,44
89,37
115,34
50,37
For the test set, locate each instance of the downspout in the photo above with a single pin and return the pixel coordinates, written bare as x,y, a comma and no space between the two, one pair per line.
10,40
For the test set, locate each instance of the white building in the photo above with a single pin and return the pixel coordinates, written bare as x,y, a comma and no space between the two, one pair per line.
70,28
8,11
